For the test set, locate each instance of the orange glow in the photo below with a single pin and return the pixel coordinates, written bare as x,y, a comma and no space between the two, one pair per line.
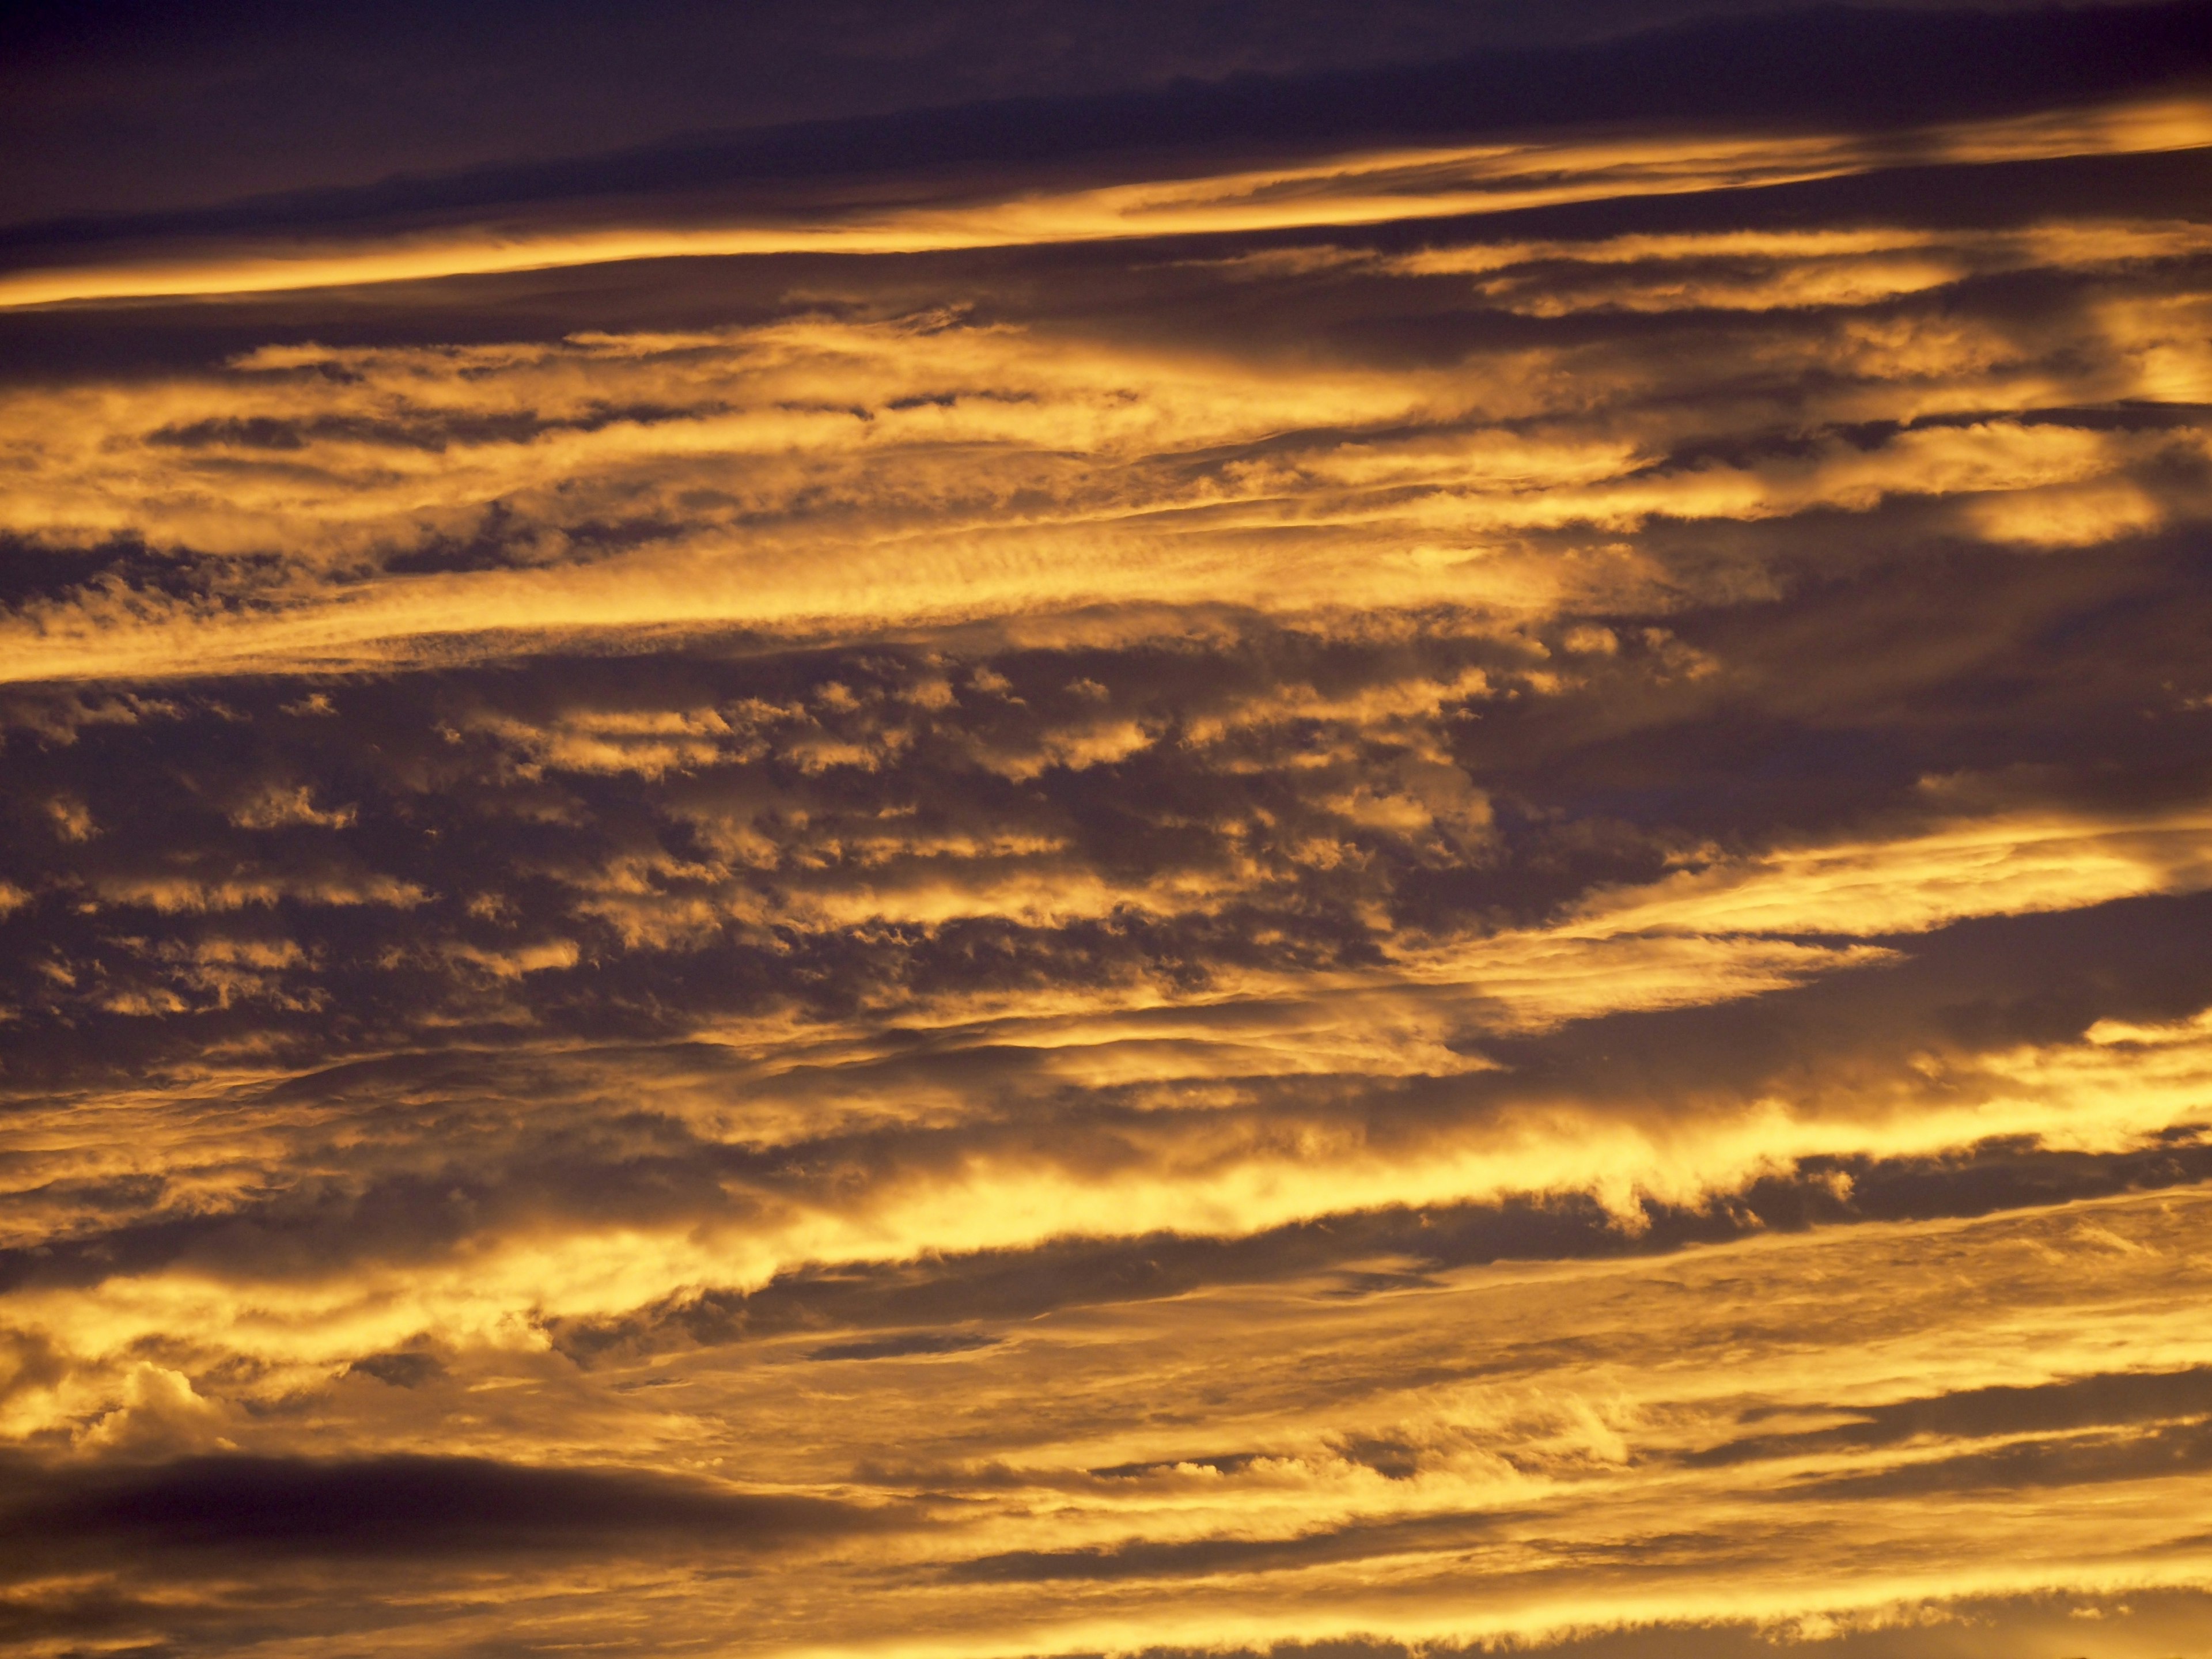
1362,189
1407,895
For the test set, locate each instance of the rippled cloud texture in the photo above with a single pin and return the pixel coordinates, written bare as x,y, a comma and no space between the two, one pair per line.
1305,852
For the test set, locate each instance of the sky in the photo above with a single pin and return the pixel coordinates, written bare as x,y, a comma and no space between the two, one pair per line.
1007,830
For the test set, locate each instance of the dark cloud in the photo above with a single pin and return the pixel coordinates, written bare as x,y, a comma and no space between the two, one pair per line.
399,1371
2100,1401
334,97
1139,1558
409,1505
2163,1452
509,87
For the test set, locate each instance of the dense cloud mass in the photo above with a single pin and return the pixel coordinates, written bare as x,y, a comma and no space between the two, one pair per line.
1162,845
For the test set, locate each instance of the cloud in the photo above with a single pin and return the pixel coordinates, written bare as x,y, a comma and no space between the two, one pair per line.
2125,1397
1350,863
403,1506
1780,69
1201,1557
901,1347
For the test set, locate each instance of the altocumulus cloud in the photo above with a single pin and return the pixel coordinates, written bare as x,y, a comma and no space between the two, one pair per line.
1208,837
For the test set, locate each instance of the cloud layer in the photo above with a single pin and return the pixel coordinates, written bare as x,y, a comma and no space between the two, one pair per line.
1369,882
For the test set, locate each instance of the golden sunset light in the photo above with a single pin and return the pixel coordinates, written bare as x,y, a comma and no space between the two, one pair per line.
1007,831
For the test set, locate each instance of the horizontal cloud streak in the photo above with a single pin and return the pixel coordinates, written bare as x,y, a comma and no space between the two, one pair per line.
1348,190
